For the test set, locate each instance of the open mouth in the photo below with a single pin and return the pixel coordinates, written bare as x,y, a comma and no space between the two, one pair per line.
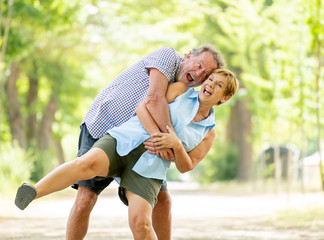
207,92
190,78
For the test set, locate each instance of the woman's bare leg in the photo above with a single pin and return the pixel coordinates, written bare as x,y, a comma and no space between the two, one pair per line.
94,163
140,217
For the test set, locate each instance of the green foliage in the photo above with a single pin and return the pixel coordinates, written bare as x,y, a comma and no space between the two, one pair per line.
219,165
75,48
15,166
173,174
42,164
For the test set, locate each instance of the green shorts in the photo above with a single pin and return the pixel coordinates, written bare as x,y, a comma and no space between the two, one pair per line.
147,188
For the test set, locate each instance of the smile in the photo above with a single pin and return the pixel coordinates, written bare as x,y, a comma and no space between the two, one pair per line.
189,77
207,92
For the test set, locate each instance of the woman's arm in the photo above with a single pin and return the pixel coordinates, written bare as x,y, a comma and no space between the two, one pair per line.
184,161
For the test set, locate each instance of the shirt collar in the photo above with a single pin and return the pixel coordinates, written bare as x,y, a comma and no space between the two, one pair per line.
193,93
210,120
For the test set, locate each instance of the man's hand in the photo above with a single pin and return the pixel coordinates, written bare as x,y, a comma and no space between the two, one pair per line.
166,154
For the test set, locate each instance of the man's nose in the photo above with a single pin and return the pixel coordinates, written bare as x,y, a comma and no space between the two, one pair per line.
200,72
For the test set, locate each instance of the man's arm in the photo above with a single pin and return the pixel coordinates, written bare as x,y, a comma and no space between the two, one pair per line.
155,101
173,91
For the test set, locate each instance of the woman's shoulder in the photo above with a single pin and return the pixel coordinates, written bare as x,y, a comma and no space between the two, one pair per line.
175,90
180,86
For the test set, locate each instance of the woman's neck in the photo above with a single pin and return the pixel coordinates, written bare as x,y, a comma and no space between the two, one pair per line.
202,113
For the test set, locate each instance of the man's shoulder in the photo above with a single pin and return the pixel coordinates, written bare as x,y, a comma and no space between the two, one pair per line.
166,48
167,51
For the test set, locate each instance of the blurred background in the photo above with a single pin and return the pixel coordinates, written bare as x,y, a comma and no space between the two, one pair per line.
56,56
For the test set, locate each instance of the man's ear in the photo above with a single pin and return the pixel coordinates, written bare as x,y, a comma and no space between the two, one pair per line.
188,55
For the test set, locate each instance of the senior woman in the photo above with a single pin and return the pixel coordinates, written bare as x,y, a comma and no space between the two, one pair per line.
120,153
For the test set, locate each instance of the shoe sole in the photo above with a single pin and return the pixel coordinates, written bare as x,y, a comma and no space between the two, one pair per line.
25,195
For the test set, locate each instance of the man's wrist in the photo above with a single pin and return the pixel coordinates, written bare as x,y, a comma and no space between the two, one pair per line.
154,133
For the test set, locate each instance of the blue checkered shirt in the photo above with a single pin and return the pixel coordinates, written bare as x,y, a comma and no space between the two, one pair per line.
117,103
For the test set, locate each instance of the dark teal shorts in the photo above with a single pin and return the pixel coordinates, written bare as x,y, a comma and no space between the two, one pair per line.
86,141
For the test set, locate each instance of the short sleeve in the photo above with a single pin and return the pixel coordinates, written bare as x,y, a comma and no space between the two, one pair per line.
164,59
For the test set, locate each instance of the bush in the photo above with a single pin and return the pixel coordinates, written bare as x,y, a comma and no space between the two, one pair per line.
220,164
14,167
42,164
173,174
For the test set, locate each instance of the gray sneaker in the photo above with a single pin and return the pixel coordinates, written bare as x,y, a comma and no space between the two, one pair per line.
25,194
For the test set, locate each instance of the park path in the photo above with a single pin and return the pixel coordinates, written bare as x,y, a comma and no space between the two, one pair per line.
197,215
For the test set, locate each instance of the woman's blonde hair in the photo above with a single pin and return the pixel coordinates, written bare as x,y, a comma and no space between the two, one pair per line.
232,82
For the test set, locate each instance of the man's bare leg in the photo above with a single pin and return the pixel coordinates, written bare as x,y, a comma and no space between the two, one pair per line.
78,222
161,217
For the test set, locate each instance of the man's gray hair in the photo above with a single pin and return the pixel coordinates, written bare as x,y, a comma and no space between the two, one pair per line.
218,56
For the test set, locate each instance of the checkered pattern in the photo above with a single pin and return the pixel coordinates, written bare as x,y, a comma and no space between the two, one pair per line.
118,101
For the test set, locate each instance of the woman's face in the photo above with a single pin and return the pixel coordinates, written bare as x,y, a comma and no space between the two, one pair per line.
213,89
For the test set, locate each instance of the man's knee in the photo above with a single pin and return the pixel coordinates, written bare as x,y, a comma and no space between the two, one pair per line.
85,200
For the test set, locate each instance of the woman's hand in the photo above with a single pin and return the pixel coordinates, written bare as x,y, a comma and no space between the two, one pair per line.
166,154
166,140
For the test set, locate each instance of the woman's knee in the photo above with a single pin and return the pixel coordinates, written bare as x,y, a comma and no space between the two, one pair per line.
139,214
94,163
88,165
140,223
83,164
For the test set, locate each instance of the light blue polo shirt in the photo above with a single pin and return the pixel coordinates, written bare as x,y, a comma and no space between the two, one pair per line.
183,109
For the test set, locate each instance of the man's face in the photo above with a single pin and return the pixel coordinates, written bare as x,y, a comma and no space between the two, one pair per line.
195,69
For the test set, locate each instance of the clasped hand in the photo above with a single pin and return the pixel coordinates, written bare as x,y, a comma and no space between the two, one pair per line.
163,144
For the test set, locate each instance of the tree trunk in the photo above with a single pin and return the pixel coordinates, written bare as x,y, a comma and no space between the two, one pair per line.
59,151
4,23
45,130
32,99
317,89
277,167
14,107
239,132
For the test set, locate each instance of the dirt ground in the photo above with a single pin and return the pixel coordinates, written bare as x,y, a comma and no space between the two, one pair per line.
197,215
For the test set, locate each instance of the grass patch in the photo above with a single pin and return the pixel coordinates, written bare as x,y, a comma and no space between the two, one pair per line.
310,218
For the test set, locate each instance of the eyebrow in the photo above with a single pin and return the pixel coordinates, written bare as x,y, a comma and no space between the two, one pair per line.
203,63
206,71
220,81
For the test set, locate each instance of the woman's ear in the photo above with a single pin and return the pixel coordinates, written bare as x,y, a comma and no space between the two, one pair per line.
224,100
